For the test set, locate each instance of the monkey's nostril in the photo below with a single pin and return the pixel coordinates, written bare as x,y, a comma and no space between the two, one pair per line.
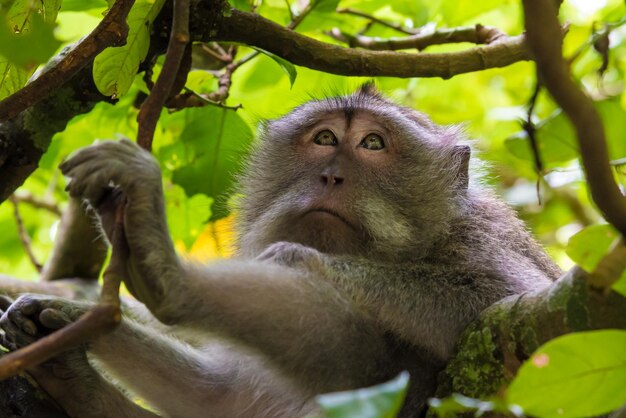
331,180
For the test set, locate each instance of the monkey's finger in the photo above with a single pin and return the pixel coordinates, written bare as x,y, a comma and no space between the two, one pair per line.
13,333
5,302
22,321
53,318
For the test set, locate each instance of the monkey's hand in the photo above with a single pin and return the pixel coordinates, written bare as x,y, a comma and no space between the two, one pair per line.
291,254
31,317
109,173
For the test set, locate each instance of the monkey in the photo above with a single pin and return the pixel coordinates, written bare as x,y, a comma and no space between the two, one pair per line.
365,248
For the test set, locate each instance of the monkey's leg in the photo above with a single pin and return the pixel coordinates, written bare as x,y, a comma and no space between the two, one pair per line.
176,378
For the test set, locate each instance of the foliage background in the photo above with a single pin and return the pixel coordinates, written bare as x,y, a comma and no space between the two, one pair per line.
200,150
198,160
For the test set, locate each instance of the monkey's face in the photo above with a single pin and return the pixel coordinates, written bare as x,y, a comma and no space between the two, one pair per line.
344,179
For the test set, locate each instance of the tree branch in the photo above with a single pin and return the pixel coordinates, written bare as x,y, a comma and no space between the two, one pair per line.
475,34
374,19
254,30
507,333
151,108
111,31
24,238
544,40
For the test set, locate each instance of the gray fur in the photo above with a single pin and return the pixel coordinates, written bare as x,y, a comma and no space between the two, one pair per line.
404,254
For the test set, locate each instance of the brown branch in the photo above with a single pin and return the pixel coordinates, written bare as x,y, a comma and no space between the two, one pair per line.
35,202
476,34
374,19
250,29
151,107
544,40
23,234
111,31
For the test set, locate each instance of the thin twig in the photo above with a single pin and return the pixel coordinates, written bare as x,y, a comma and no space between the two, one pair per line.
545,42
475,34
151,107
374,19
531,131
111,31
296,20
35,202
24,237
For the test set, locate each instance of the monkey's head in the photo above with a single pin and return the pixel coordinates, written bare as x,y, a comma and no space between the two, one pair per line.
356,175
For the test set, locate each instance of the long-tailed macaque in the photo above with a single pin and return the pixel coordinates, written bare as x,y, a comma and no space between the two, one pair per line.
365,248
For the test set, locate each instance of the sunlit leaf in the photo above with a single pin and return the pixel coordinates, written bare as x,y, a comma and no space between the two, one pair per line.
577,375
17,20
381,401
114,69
285,65
209,153
186,216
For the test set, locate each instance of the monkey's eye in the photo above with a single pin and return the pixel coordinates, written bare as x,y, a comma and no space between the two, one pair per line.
325,137
373,142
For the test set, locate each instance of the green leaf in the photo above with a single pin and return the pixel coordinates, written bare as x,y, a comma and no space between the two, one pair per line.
12,78
114,69
381,401
576,375
186,216
18,21
587,247
210,152
458,404
28,48
325,6
286,66
82,5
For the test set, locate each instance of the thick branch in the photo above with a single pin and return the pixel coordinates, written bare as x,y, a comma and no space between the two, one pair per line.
111,31
254,30
544,39
493,348
478,34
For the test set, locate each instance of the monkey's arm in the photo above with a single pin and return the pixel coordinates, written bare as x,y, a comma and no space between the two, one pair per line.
426,304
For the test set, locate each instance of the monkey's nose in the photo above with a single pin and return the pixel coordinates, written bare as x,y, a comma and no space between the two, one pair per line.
331,180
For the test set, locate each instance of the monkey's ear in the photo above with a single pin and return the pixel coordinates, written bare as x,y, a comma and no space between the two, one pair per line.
368,89
462,156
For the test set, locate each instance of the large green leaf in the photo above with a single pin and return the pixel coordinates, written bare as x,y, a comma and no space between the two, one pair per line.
186,215
114,69
285,65
209,153
577,375
21,44
381,401
587,247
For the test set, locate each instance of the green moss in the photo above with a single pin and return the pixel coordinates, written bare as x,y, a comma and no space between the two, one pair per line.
476,371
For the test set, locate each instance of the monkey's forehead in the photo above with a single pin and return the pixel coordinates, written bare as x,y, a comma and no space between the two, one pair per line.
397,119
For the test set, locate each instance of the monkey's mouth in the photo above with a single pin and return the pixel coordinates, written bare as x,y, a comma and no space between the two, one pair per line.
332,213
